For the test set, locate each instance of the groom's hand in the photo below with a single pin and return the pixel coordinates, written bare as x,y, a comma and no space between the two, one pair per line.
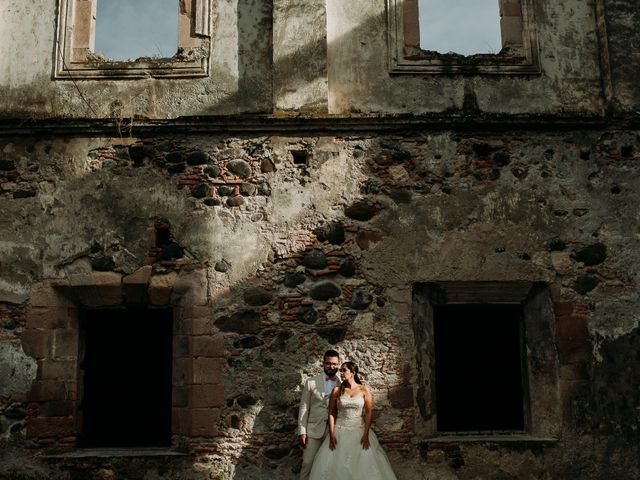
303,439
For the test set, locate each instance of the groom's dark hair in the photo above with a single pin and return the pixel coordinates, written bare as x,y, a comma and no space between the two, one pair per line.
330,353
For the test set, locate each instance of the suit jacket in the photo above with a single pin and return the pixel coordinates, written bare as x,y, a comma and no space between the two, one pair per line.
312,417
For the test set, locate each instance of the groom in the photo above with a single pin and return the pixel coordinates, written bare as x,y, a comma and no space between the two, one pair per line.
312,419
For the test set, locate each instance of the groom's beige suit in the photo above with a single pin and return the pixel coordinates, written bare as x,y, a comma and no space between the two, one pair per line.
312,420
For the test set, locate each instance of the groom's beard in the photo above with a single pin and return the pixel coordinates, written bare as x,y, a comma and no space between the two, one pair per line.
330,372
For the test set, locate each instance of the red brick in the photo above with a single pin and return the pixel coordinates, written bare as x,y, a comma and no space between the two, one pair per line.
66,343
207,346
50,427
57,369
207,395
51,317
207,370
37,343
204,422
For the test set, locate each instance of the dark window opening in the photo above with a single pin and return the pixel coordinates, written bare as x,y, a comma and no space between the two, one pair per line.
299,157
126,384
479,368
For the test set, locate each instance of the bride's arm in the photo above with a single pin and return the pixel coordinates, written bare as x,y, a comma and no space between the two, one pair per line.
333,412
368,417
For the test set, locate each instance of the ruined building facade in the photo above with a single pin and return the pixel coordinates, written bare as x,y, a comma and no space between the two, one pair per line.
181,239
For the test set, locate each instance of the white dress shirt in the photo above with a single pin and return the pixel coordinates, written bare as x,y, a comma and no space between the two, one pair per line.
329,385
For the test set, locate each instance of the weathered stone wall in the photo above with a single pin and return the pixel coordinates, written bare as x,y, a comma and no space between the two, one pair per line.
306,243
265,59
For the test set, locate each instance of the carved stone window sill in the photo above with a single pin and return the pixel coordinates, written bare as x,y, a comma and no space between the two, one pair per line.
118,452
509,439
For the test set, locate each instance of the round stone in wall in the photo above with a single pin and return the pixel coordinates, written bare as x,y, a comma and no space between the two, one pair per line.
197,158
315,259
347,268
239,167
212,171
222,266
225,190
248,189
212,201
294,279
267,166
360,299
256,296
200,190
235,201
325,290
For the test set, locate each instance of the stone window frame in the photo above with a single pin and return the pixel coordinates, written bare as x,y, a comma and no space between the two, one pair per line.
75,57
519,55
53,337
541,395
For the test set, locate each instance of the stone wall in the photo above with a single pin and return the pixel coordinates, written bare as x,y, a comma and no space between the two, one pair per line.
271,249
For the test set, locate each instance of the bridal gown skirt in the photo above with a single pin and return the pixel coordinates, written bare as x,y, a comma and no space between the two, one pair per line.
349,461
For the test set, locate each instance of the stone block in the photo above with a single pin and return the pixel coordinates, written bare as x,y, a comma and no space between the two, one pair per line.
510,8
190,288
37,343
207,346
57,408
180,396
50,294
160,287
511,30
97,289
50,427
211,395
135,286
49,390
208,370
182,371
66,343
57,370
204,422
181,346
51,317
180,421
572,332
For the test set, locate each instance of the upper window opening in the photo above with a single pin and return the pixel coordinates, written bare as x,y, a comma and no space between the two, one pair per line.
463,36
465,27
132,39
127,30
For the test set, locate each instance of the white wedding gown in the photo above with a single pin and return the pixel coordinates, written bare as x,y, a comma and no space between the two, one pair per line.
349,461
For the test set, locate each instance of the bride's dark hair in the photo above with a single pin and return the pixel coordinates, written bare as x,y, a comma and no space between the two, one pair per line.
353,368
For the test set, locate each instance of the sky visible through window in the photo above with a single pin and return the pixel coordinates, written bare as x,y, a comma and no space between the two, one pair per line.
461,26
129,29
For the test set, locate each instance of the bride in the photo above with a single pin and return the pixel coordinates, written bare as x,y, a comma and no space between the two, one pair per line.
351,450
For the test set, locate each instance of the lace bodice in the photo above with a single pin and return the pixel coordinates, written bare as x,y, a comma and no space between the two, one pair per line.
350,412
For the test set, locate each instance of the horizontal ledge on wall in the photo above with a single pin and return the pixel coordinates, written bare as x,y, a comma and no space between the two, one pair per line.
520,440
303,124
118,452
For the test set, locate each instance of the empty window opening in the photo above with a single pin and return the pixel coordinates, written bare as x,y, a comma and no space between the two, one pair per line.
127,30
479,368
299,157
126,378
465,27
